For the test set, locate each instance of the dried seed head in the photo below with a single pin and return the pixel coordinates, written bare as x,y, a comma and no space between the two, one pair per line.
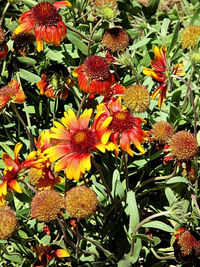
46,205
184,145
189,36
2,35
8,223
162,131
116,39
137,98
81,202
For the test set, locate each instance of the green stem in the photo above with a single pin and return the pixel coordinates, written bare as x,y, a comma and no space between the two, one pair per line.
160,257
192,101
154,179
27,114
126,170
30,137
103,180
140,225
4,12
79,33
81,105
92,34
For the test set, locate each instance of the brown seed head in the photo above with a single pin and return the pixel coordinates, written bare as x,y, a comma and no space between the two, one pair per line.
162,131
46,205
81,202
137,98
184,145
8,223
2,35
24,38
189,36
116,39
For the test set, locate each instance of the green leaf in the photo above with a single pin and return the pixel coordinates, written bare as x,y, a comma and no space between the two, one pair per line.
22,234
13,257
132,210
46,240
164,27
117,188
178,179
174,37
27,60
195,15
143,237
159,225
29,76
170,196
141,43
75,39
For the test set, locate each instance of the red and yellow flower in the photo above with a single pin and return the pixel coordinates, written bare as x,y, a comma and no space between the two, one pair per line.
161,72
45,20
46,253
77,143
43,177
14,169
11,92
124,127
94,76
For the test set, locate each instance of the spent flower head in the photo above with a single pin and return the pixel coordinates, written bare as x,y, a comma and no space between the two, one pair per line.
81,202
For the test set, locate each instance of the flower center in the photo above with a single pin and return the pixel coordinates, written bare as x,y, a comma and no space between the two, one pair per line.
45,14
82,141
122,121
96,68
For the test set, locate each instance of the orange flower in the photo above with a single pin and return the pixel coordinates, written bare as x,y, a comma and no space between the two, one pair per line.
161,72
55,82
14,169
123,127
77,142
11,92
46,253
94,76
46,22
43,177
3,51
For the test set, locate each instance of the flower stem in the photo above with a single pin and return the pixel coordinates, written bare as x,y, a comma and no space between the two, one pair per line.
81,105
4,12
143,222
160,257
79,33
92,34
154,179
103,179
30,187
30,137
27,114
126,170
192,101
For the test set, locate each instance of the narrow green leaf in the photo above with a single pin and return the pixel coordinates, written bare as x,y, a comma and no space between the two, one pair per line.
195,15
170,196
117,188
22,234
164,27
29,76
159,225
178,179
174,37
76,40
